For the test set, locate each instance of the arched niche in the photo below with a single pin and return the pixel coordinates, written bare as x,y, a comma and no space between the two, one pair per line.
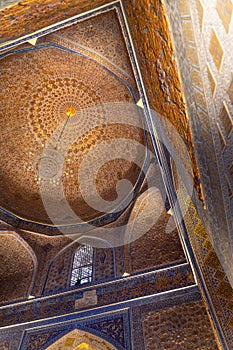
151,238
104,257
81,340
60,269
18,266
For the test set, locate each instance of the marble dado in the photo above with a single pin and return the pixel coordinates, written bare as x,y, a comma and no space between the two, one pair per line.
99,295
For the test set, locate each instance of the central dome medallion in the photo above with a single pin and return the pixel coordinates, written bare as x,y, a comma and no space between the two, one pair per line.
70,112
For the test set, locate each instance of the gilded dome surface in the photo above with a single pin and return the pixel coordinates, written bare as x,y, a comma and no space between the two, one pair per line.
54,116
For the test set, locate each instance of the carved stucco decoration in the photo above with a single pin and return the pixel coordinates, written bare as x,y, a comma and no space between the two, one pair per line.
52,95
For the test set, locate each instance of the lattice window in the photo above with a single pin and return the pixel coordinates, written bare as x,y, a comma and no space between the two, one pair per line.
82,266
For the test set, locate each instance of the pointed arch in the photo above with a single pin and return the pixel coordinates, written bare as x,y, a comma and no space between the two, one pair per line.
18,268
59,271
81,340
34,259
104,254
148,243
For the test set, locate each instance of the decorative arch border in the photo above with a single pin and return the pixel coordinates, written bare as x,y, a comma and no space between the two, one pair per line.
43,336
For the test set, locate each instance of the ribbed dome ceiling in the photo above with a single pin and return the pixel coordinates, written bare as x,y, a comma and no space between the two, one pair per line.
56,99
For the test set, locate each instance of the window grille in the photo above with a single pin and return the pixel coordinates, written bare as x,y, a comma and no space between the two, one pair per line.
82,266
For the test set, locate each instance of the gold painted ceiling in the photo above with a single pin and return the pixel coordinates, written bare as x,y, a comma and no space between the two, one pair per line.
56,100
100,38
